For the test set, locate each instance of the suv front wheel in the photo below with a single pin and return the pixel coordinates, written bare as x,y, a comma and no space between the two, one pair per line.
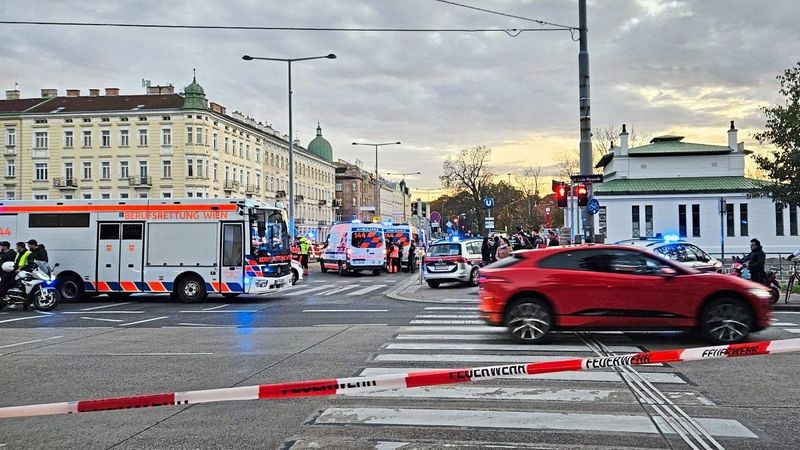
529,321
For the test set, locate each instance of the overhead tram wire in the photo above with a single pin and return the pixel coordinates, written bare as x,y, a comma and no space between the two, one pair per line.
513,32
489,11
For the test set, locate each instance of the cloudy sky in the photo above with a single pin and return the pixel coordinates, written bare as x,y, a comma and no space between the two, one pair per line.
678,67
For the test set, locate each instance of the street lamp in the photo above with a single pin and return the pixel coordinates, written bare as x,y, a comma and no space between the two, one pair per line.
377,176
289,62
403,181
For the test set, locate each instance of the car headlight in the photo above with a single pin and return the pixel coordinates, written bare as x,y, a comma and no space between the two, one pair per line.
760,293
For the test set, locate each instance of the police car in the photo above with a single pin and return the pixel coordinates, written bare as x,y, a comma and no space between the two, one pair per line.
676,249
453,260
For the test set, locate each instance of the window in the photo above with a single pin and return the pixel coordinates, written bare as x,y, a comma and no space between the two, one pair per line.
105,170
68,139
216,171
166,168
232,245
68,170
123,195
132,231
632,263
227,173
695,220
743,227
11,137
199,170
124,169
355,201
214,141
258,155
40,139
143,169
143,137
241,146
40,196
792,220
355,186
368,238
206,172
109,231
87,170
338,186
166,195
648,220
105,138
87,196
188,135
143,195
189,168
166,118
199,133
105,196
124,138
778,219
636,228
166,136
682,221
227,143
247,152
87,138
11,168
730,223
58,221
41,171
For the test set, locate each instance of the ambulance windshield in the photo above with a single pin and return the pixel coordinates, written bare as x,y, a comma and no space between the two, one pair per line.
268,233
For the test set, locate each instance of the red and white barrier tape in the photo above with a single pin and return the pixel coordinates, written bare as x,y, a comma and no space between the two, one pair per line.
350,385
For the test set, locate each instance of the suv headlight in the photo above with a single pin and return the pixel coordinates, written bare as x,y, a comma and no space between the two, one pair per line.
760,293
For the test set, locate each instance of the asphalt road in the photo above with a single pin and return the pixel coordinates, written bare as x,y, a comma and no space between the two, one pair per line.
333,327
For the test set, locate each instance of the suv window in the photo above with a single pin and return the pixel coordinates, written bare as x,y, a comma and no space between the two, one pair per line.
632,263
693,253
586,260
444,250
474,248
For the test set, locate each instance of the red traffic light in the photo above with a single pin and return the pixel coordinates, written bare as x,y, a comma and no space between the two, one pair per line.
561,195
583,195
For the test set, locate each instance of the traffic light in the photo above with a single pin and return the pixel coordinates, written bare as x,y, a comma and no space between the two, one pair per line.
561,195
414,209
583,195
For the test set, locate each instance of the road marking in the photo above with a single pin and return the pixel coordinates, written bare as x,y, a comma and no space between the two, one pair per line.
338,290
215,307
103,320
21,318
30,342
451,337
142,321
447,322
481,328
102,312
505,347
308,290
367,289
105,306
343,310
157,354
448,358
590,376
219,311
783,324
451,308
460,300
185,325
790,330
448,316
471,419
786,312
351,324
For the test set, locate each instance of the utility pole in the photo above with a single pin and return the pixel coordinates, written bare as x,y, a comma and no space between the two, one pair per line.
585,115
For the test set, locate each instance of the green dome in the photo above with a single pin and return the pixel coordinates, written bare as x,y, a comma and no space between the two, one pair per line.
320,146
194,96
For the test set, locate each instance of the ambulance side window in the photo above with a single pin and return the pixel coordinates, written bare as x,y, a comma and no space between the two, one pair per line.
132,231
109,231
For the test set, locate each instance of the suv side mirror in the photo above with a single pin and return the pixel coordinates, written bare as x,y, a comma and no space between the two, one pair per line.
57,264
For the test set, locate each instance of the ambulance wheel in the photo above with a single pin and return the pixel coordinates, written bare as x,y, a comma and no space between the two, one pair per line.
71,288
295,277
191,289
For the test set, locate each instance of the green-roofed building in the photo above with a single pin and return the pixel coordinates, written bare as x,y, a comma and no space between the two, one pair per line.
673,187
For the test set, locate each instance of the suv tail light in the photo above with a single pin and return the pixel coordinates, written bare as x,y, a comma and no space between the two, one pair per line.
461,259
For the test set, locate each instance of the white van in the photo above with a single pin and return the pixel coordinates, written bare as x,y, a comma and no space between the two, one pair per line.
402,234
353,247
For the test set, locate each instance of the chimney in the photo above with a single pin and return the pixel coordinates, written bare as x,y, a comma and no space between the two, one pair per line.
49,93
112,91
94,92
623,141
159,90
12,94
732,138
217,108
73,92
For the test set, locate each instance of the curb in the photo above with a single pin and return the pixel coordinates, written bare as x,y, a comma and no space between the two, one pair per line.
394,293
778,307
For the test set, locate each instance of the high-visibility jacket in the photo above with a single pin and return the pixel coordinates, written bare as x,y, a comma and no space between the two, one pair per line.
22,259
304,247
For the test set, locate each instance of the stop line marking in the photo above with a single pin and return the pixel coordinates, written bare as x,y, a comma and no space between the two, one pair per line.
30,342
105,306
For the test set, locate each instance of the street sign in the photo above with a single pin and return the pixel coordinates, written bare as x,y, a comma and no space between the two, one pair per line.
594,206
488,202
449,224
436,216
587,178
489,223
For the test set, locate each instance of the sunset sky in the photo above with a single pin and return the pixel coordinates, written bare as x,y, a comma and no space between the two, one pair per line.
666,67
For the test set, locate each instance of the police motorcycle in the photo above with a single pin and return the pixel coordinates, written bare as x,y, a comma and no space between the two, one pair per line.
35,287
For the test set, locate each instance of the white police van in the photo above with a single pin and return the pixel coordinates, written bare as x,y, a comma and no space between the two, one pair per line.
353,247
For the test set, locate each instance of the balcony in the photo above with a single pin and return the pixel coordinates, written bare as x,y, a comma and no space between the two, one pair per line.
65,183
280,194
140,182
252,189
231,186
299,198
166,150
323,202
322,223
10,150
337,203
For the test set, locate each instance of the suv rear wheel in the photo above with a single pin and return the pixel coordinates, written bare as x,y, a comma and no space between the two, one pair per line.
726,320
529,321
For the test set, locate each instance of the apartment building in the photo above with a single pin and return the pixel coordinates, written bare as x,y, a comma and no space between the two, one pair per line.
157,145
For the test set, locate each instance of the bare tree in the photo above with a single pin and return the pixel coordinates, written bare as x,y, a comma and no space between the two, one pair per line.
567,164
468,170
604,138
528,184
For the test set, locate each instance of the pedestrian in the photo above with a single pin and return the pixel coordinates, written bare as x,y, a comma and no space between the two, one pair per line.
304,247
412,257
486,252
495,246
21,260
389,250
504,249
7,278
536,239
552,239
755,261
396,256
38,252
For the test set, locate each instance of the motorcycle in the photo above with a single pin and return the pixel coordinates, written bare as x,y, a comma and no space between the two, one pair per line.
738,269
35,287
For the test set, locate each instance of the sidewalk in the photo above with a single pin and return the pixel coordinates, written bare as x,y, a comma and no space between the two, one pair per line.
793,305
411,290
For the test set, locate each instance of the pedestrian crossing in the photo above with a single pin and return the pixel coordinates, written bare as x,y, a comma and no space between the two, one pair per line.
336,289
642,406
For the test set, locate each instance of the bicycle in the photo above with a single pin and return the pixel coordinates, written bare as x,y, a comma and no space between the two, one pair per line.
794,277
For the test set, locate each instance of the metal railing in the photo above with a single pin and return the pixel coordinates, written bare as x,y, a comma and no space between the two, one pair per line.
231,185
774,260
140,181
65,183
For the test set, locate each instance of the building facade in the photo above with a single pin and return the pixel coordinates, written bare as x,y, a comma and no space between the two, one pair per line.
694,191
355,193
395,202
157,145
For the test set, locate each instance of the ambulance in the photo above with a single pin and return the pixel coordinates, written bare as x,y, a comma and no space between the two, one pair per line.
354,247
186,247
402,234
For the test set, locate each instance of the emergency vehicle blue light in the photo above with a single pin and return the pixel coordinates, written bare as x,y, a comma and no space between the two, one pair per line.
455,239
355,221
671,238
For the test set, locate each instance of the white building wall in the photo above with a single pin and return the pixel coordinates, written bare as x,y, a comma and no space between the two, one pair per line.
731,165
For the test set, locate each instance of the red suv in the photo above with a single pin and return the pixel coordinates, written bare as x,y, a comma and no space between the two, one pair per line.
616,287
